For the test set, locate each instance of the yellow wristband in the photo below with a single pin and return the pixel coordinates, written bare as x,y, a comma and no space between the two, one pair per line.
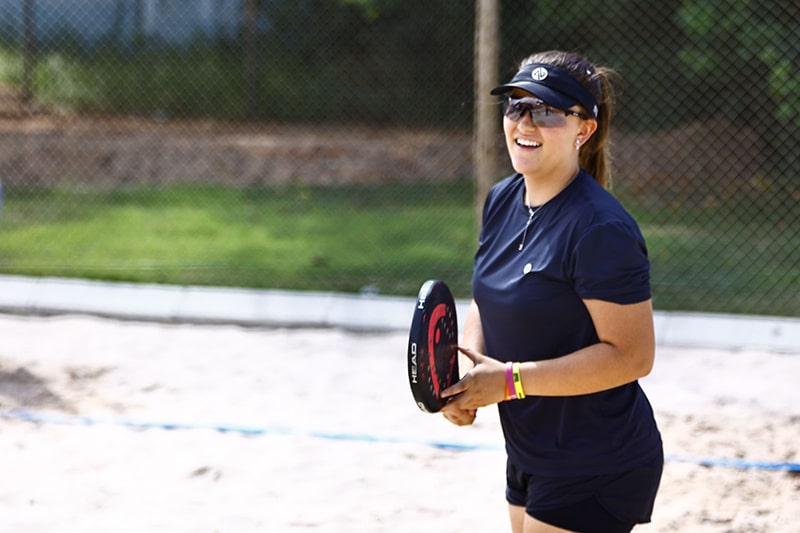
517,381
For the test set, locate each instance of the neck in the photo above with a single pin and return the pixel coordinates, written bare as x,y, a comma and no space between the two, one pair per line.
539,191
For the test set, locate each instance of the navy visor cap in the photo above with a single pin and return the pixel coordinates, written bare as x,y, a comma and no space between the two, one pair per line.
555,86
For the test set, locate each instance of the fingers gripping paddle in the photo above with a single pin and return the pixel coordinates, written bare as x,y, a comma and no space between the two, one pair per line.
432,345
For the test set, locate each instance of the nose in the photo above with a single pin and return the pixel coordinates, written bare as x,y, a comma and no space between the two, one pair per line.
526,120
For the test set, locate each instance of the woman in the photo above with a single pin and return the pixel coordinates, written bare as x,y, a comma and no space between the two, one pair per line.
560,328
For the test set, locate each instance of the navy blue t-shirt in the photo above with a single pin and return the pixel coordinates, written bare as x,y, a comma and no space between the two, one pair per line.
581,244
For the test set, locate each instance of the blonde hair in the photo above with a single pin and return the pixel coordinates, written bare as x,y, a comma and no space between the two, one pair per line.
595,155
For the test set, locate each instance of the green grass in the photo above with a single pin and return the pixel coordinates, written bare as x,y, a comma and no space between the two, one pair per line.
390,237
741,257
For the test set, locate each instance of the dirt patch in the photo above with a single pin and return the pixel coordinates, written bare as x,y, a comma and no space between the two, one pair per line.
20,388
699,161
38,148
704,161
106,151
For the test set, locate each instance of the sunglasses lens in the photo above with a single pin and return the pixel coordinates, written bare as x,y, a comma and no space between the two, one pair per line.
549,117
541,114
515,109
518,108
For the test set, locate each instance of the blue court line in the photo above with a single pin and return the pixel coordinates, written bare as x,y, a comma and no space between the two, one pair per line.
76,420
54,418
735,463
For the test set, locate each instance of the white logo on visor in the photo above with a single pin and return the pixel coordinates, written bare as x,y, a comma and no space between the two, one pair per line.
539,73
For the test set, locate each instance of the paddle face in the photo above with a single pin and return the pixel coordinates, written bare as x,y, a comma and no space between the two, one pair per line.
432,345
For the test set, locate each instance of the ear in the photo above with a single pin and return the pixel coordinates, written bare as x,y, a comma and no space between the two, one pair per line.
587,129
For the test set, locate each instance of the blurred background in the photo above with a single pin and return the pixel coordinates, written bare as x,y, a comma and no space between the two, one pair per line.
331,145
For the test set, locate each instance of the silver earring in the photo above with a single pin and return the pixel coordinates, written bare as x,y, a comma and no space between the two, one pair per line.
577,144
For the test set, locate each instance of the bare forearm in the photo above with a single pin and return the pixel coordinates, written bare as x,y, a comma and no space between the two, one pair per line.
624,354
592,369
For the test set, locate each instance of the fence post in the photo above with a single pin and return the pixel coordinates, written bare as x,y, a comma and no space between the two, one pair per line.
250,57
28,50
487,52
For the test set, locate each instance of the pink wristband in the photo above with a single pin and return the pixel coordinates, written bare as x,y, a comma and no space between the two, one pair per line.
512,391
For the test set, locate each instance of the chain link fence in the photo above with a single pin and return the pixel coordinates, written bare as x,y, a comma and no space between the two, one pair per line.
327,145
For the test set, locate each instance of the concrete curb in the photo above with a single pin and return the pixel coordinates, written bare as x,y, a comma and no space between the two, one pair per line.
273,308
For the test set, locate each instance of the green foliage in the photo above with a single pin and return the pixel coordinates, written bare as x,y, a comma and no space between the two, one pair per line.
352,60
316,62
10,65
639,40
746,50
784,84
151,82
371,7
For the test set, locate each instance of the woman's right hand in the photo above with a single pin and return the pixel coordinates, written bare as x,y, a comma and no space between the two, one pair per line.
483,384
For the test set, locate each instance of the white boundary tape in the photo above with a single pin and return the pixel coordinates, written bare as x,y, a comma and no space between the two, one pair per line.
274,308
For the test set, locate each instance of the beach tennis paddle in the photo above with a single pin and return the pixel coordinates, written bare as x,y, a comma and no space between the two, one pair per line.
433,346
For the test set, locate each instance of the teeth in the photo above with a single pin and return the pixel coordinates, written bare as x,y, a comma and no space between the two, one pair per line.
530,144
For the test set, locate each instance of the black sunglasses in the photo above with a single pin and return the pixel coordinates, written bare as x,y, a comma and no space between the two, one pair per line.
542,114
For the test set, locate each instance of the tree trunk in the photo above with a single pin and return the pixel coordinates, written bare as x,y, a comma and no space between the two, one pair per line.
487,52
249,20
28,50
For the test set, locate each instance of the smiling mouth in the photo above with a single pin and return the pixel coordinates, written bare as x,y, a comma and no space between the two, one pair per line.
527,144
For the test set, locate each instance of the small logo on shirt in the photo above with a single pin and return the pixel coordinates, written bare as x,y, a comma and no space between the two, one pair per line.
527,268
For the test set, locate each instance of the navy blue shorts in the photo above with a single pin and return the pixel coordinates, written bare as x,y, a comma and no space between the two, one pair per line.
609,503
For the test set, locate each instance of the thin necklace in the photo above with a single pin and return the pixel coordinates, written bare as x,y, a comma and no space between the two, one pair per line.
531,213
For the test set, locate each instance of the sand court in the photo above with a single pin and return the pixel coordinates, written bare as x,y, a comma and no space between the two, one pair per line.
135,426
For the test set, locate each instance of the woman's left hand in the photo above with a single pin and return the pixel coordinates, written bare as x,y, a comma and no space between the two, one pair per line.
483,385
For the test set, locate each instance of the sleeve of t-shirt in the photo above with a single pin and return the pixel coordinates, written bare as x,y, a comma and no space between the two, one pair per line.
610,263
487,206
